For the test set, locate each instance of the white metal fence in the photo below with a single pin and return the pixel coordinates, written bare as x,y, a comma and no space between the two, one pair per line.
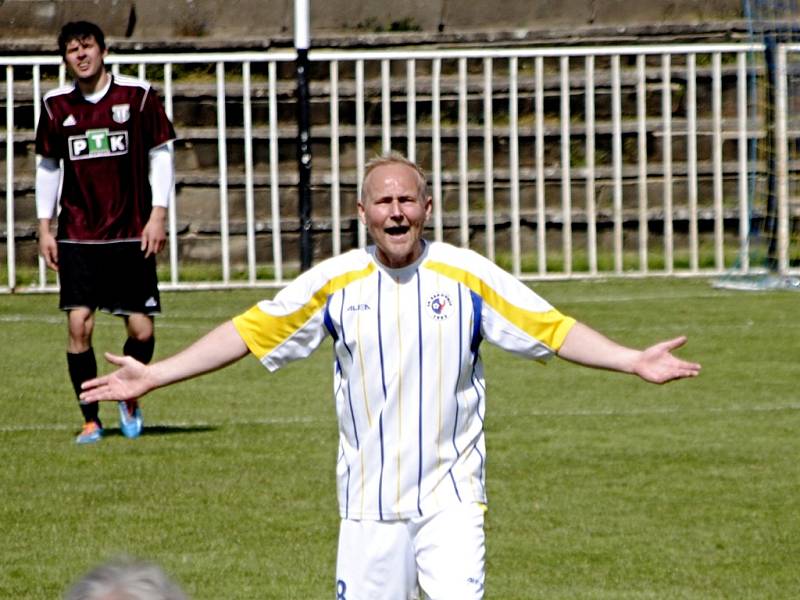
555,162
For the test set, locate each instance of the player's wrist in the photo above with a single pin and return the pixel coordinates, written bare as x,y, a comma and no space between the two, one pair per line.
44,228
158,215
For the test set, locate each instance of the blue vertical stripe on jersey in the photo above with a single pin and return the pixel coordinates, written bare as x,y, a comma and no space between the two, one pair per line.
481,455
347,492
419,345
479,387
338,372
481,395
460,362
477,308
458,385
453,480
328,320
380,478
475,342
339,459
352,415
383,384
349,396
380,337
341,322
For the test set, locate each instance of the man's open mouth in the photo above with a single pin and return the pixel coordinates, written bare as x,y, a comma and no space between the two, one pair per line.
397,230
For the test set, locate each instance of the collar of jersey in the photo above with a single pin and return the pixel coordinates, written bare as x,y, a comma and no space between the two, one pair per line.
403,272
97,96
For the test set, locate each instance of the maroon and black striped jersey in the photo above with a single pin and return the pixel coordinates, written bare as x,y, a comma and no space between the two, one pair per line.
105,193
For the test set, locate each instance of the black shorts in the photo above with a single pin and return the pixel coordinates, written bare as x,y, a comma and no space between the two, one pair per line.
114,277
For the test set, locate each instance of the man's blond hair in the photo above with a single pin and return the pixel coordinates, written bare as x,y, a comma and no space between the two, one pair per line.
395,158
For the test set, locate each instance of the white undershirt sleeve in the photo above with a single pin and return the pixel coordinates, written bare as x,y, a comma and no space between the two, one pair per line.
161,175
48,179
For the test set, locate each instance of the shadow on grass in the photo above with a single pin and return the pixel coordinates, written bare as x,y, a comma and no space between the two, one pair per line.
155,430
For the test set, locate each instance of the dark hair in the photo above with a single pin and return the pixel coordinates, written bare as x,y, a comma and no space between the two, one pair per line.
80,30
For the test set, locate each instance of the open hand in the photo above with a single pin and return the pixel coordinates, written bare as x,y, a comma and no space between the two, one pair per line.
656,364
128,382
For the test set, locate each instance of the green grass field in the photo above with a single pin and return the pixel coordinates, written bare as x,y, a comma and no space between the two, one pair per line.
600,486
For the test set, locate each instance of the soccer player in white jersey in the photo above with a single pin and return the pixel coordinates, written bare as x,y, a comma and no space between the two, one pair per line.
407,318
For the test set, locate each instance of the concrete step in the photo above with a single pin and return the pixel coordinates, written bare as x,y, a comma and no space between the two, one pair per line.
198,199
194,102
197,147
287,177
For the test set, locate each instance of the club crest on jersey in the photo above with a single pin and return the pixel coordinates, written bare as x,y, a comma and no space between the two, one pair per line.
98,143
440,307
121,113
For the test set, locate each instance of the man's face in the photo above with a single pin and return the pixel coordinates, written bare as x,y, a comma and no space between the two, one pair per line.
394,213
84,57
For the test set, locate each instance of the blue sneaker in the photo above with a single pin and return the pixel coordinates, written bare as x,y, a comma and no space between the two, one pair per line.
130,419
91,433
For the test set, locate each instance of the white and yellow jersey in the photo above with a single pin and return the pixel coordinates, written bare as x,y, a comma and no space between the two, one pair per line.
408,379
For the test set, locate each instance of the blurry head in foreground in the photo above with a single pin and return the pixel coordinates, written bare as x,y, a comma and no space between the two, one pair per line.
125,579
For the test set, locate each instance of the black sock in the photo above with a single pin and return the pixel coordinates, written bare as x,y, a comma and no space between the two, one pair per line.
141,351
82,367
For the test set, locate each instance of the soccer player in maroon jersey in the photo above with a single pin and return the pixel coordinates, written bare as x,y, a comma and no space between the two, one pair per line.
103,141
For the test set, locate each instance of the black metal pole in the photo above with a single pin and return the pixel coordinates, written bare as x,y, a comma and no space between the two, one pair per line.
771,215
304,160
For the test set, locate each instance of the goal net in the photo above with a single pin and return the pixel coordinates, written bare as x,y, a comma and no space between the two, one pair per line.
770,250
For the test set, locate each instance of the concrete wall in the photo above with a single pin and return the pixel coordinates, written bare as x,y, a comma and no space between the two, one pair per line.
254,22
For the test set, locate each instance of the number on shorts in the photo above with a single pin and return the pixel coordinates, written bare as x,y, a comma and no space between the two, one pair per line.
341,588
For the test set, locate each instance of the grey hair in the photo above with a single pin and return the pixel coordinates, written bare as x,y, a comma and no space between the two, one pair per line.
125,579
395,158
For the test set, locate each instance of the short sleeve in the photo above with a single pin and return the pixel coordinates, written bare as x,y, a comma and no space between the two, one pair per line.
158,129
48,138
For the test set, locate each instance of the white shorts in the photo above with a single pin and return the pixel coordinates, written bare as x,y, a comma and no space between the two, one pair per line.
440,557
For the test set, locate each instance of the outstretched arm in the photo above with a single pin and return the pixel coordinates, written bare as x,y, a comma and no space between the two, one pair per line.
656,364
215,350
